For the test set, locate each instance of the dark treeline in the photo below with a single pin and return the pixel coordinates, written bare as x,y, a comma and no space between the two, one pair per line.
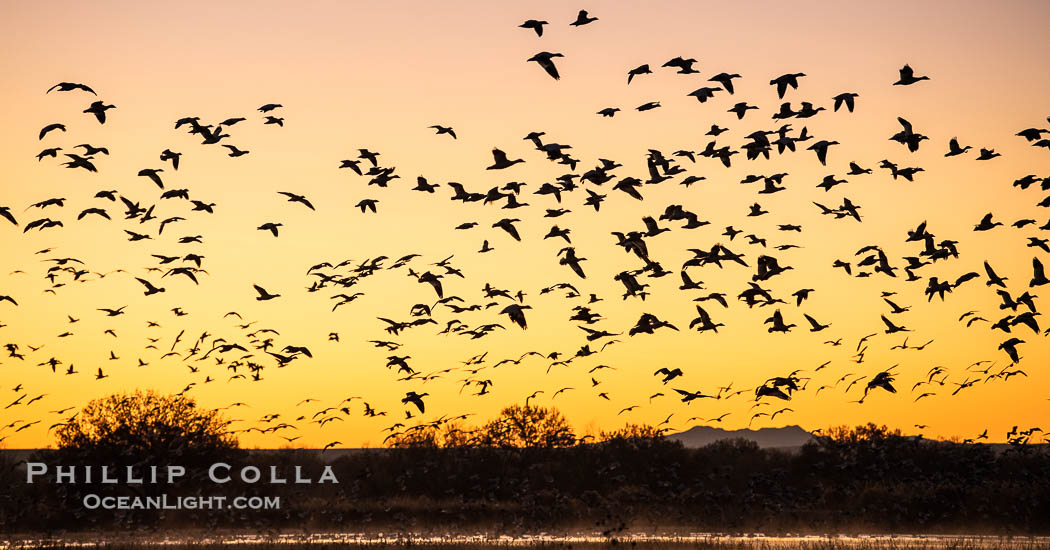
865,479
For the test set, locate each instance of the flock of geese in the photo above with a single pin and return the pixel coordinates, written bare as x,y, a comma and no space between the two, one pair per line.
165,215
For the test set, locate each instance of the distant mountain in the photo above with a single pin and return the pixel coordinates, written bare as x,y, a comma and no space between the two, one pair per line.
788,436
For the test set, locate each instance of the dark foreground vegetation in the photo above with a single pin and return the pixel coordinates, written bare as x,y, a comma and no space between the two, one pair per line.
866,479
870,483
706,543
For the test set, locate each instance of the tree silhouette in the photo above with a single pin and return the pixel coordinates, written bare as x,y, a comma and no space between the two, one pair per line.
527,426
146,428
632,431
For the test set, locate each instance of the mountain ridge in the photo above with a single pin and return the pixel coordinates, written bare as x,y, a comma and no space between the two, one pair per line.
786,436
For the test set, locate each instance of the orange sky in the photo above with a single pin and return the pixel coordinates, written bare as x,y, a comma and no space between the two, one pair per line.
376,76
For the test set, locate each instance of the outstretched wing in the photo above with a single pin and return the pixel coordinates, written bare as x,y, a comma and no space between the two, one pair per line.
548,66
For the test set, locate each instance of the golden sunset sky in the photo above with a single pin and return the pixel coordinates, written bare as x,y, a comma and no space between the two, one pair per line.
354,75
